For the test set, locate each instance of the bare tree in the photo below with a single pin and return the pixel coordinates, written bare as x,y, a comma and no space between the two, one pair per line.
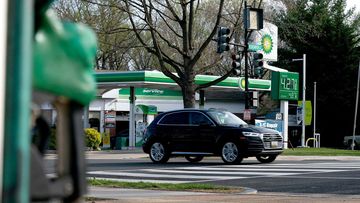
111,26
180,34
181,38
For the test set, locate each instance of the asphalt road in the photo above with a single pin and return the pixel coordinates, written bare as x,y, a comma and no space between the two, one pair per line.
282,176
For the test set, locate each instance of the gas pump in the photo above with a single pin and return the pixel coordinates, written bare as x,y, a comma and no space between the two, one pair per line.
144,115
60,60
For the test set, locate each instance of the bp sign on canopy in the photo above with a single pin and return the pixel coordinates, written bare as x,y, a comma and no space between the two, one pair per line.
151,93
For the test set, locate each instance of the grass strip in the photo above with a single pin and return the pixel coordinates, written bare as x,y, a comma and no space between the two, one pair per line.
320,152
194,187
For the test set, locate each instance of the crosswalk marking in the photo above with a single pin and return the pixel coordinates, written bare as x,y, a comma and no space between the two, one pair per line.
295,166
256,169
193,174
218,172
156,175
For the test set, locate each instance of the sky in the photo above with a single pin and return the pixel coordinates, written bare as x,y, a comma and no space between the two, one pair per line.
356,3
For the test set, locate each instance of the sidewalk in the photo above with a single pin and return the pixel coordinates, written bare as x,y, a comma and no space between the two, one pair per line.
154,196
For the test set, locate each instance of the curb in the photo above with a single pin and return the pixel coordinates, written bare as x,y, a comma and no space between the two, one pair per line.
248,191
113,193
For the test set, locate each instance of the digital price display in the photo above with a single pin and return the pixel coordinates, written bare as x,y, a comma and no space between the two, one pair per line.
285,85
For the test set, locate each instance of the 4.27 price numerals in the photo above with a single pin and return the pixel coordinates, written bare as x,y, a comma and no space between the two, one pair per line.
288,83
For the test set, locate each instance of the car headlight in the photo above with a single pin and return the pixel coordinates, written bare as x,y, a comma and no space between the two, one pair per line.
252,134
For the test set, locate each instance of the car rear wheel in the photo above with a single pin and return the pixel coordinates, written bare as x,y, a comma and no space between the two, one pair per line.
266,158
194,159
230,153
159,153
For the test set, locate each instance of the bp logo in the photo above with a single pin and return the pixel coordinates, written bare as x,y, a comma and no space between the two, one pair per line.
267,43
242,83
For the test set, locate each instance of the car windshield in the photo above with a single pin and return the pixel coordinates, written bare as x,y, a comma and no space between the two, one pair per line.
226,118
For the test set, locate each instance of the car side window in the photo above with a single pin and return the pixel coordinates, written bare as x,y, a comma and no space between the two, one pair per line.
180,118
199,118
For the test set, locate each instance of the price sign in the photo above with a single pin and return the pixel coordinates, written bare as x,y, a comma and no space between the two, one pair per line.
285,85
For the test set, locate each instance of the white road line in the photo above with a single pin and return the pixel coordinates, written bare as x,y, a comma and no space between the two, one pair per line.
323,177
218,172
256,169
292,167
147,175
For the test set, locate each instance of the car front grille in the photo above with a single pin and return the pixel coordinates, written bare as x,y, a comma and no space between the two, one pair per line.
272,141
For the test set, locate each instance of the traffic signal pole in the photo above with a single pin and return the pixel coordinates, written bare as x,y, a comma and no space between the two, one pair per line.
246,60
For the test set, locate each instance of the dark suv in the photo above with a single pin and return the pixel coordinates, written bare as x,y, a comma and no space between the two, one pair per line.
197,133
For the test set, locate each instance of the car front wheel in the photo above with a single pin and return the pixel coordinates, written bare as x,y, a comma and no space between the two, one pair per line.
230,153
194,159
266,158
159,153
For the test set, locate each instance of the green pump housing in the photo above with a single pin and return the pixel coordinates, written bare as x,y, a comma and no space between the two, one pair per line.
64,55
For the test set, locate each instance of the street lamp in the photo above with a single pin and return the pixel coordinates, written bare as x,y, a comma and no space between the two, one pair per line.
303,99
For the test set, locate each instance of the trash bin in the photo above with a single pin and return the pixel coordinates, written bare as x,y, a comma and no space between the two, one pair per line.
118,143
124,142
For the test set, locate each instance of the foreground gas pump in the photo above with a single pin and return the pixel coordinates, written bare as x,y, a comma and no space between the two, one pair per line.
62,55
63,60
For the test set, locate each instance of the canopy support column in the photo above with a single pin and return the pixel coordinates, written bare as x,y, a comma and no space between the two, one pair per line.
202,99
284,108
132,118
86,117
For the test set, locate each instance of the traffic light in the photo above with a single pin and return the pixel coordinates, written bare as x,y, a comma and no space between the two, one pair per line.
236,59
223,39
258,64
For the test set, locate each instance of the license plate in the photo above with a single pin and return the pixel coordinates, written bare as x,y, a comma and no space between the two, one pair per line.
274,144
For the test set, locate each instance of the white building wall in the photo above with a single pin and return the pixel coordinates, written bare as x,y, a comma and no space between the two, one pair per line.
162,105
110,102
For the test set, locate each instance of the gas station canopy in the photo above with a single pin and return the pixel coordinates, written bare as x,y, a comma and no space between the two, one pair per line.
156,79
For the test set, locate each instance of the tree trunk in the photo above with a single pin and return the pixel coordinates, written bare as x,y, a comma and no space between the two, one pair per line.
189,95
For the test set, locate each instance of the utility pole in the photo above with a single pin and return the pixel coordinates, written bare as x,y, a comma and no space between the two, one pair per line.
246,57
356,108
303,102
315,114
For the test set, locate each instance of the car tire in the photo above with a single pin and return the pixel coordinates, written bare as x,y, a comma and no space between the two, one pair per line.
194,159
159,152
230,153
266,158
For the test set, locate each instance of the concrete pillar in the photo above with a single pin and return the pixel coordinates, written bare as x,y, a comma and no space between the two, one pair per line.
202,99
86,117
102,118
284,109
132,118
